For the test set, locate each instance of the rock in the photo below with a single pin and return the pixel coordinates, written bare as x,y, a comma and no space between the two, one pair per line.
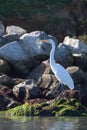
14,54
71,107
50,86
15,30
79,50
61,107
6,97
12,104
26,90
3,102
76,46
43,68
52,89
2,29
69,94
7,93
81,61
77,75
63,54
4,67
83,99
9,38
83,90
23,67
8,81
1,41
32,46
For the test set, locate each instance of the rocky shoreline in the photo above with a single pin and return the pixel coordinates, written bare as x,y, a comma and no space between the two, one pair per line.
28,87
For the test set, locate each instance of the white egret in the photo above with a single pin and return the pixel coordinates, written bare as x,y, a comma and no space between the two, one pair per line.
60,72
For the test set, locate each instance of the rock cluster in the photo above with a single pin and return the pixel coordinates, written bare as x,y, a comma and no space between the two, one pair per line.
25,72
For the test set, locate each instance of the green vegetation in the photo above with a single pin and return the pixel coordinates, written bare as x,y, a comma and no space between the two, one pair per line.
69,108
19,8
10,7
83,38
61,107
55,19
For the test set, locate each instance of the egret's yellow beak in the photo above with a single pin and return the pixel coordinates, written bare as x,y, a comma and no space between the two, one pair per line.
43,40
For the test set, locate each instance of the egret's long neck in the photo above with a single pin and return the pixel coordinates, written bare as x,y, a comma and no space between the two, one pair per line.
52,61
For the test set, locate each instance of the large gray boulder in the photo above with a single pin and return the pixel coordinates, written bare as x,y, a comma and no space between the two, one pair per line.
14,54
78,50
43,68
32,46
15,30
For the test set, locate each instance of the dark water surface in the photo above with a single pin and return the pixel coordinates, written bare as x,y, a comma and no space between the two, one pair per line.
43,123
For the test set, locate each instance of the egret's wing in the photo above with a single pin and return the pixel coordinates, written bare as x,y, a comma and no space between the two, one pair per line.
63,75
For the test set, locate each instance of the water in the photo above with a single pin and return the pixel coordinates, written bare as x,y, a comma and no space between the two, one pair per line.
43,123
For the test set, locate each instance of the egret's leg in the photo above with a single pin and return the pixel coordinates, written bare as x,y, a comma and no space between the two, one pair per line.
62,90
62,87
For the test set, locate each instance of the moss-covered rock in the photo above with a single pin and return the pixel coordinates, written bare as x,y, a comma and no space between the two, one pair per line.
83,38
70,107
22,110
68,111
61,107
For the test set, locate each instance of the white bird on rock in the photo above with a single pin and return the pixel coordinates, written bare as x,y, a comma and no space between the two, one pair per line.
60,72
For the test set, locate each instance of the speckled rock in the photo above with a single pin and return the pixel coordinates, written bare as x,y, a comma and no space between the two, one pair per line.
26,90
15,30
79,51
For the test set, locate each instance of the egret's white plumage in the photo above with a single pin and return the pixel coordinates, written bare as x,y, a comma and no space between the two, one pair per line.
60,72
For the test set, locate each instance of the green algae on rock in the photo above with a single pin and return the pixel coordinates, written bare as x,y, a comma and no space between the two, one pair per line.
61,107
